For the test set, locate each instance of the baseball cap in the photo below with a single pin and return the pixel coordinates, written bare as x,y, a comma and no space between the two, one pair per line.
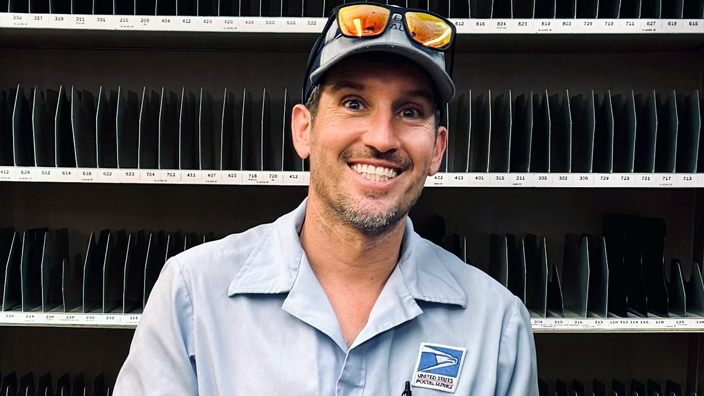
332,47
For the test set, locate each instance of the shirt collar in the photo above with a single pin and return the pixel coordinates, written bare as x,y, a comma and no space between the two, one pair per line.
273,265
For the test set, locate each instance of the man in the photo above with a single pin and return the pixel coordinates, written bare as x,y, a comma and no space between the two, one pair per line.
341,296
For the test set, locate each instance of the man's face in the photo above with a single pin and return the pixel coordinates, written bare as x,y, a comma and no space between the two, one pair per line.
373,142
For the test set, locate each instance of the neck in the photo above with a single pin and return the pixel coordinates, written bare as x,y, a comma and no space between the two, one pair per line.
340,254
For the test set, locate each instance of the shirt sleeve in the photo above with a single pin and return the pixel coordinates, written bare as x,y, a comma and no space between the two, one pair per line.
518,373
161,359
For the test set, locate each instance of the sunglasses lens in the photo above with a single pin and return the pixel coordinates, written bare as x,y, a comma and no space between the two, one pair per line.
362,20
429,30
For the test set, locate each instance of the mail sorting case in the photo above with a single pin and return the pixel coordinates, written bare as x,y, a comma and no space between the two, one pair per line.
183,101
535,132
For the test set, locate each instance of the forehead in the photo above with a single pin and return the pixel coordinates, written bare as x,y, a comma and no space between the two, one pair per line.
391,70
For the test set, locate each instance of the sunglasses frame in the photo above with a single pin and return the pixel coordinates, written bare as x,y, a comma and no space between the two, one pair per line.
334,15
398,10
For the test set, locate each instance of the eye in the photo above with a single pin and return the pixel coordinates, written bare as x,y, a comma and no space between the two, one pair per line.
410,113
353,104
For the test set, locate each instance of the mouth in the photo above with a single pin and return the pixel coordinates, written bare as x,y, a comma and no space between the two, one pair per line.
375,173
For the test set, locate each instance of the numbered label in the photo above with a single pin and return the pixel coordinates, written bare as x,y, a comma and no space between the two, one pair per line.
67,174
191,177
289,25
687,180
611,25
45,174
437,179
481,25
544,25
563,180
211,176
520,179
146,21
566,25
500,179
462,25
692,26
630,25
131,319
60,21
666,180
457,179
86,175
523,25
257,177
25,173
588,26
625,179
79,20
166,23
604,180
108,175
673,25
542,179
125,22
99,21
501,25
231,177
207,24
645,180
296,178
650,25
583,180
7,173
313,25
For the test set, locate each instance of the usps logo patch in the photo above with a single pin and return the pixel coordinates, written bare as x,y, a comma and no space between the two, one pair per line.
438,367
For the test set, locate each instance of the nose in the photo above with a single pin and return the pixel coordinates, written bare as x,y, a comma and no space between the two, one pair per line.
382,132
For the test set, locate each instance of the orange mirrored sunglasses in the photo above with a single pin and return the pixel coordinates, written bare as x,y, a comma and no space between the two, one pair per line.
371,20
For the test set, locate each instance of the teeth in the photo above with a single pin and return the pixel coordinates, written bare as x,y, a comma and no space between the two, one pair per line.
374,173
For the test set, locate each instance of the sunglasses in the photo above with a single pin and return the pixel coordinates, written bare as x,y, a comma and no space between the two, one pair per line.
365,20
362,20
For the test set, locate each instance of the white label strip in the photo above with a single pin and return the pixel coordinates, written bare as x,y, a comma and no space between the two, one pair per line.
51,319
540,325
156,176
610,325
315,25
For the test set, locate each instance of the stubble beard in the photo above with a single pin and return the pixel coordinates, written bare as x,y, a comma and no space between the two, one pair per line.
327,186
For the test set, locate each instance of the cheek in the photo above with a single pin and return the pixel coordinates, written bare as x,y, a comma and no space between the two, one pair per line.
421,148
330,137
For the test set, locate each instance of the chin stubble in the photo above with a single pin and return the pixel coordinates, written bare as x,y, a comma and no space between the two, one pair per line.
352,213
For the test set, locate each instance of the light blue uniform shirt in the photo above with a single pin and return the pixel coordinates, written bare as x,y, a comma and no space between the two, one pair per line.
246,316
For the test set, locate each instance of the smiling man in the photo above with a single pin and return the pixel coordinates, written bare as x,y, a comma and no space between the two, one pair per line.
341,296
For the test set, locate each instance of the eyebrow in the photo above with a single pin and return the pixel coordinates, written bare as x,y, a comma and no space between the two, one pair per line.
341,84
346,84
424,94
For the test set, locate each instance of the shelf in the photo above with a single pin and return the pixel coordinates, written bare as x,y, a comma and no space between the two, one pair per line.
54,319
142,176
265,33
618,325
315,25
544,325
544,180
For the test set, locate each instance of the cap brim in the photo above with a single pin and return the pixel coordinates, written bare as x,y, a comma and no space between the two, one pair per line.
442,81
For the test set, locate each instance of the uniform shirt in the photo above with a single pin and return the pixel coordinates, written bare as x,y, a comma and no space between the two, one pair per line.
246,316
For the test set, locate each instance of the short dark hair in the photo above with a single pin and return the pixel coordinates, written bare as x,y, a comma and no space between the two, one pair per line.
313,101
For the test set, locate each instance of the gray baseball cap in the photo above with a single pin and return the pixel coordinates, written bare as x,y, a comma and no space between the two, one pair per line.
332,47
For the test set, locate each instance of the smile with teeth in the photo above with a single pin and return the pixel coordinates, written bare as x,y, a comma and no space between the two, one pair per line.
374,173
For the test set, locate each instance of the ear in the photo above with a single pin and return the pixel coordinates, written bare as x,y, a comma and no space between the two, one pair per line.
300,128
439,150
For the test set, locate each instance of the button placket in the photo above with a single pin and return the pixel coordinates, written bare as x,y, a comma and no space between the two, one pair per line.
354,374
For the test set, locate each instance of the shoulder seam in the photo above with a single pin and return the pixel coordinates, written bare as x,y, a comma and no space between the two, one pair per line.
183,278
510,319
